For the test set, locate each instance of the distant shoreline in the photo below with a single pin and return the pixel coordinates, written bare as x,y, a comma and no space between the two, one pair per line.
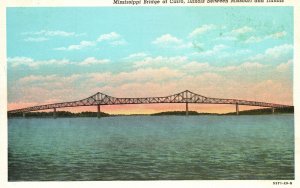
264,111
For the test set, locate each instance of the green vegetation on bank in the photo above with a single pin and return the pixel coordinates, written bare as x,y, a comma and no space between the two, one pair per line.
263,111
181,113
59,114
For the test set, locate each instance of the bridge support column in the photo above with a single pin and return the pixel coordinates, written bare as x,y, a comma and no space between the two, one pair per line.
186,109
98,111
273,110
54,113
237,108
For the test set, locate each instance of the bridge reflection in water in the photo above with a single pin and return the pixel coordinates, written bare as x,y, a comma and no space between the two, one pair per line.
186,97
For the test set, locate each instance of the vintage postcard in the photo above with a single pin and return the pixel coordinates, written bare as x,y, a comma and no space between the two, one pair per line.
130,90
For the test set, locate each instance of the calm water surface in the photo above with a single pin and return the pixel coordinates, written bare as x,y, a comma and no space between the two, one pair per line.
151,148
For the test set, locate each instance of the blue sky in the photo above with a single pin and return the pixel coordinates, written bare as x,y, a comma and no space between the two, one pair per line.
119,49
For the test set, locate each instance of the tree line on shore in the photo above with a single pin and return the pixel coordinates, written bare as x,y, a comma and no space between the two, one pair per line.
262,111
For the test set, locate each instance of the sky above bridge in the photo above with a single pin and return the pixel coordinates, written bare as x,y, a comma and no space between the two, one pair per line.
65,54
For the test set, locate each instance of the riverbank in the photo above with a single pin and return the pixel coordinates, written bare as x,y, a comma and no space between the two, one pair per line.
264,111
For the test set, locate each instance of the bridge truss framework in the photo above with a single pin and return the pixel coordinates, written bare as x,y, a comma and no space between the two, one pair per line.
186,97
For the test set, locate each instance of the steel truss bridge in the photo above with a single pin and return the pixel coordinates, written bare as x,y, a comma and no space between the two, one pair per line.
186,97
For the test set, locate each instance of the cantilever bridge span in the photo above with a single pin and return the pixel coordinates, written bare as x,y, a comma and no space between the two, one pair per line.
186,97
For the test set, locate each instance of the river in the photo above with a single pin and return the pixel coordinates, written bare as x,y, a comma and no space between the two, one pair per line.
151,148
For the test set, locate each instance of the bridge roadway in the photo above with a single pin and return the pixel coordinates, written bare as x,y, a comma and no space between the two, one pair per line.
186,97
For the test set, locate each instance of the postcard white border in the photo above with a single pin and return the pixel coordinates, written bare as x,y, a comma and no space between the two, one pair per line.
132,184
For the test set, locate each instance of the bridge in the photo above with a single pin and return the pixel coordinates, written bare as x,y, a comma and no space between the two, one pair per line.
186,97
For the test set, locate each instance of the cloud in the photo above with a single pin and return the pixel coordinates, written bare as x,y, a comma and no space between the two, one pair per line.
159,79
43,80
275,54
98,77
81,45
277,35
271,91
44,35
37,78
240,34
58,33
202,29
167,39
37,39
246,66
257,39
217,49
284,67
198,67
160,61
279,50
25,61
42,87
148,74
118,42
242,30
29,62
185,65
52,33
191,66
221,53
93,61
17,61
113,39
108,36
248,35
253,39
136,56
139,75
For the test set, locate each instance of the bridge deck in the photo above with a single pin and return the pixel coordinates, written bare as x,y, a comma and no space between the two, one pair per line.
182,97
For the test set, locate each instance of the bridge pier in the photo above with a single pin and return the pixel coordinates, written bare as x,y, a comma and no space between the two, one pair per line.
186,109
273,110
98,111
237,108
54,113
